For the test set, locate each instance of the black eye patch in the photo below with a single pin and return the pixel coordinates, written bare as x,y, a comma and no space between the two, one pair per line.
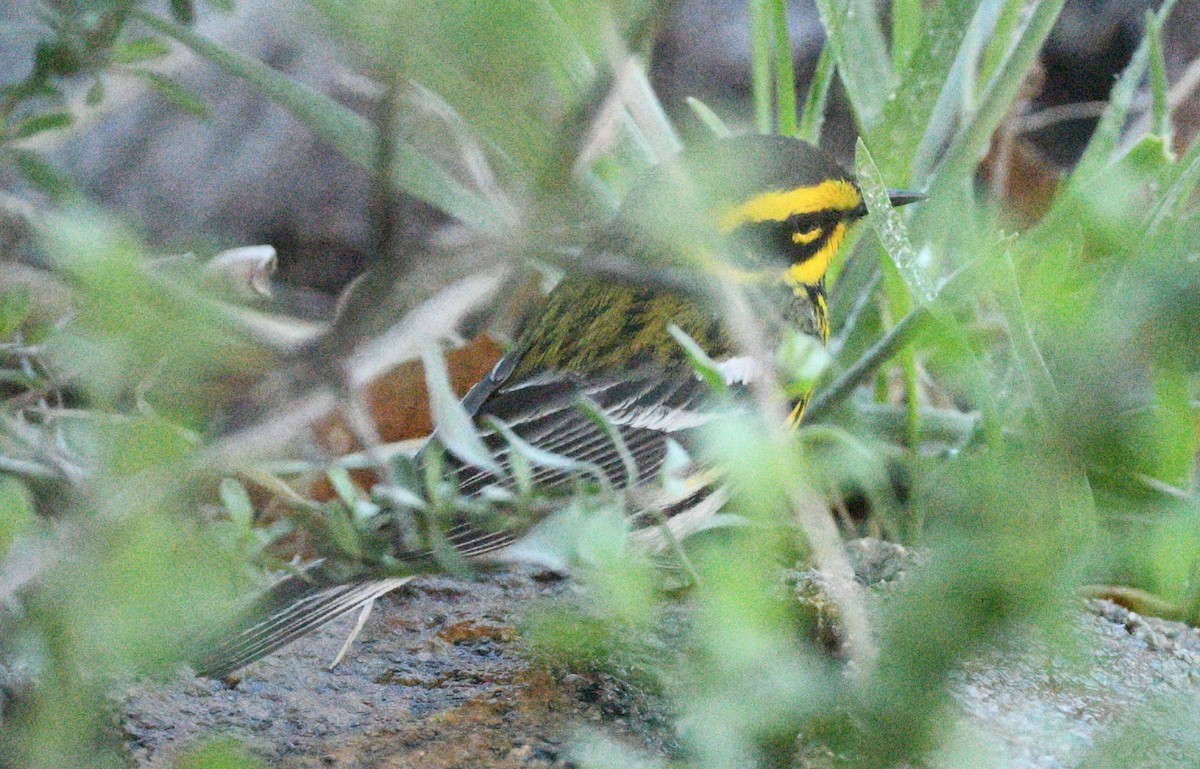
811,221
760,244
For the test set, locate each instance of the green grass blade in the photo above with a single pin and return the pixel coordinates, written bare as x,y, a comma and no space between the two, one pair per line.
957,91
455,428
862,57
1178,191
349,133
976,134
761,43
1160,109
785,76
1103,147
923,77
1002,32
890,227
711,120
906,31
813,118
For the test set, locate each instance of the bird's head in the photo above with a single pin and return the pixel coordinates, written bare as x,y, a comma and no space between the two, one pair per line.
774,205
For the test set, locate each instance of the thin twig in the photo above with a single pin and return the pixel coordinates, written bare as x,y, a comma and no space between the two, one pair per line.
815,521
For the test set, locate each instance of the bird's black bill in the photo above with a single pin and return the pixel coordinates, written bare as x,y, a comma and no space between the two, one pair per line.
903,198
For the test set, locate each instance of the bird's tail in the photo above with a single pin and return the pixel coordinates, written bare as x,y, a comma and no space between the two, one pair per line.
292,607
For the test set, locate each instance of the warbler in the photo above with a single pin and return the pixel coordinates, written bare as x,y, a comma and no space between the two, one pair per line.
768,212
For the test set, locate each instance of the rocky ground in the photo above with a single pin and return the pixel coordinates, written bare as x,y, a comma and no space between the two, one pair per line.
439,679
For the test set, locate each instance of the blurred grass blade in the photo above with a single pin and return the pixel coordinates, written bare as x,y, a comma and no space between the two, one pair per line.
1003,27
184,11
648,116
859,47
976,134
710,119
704,366
785,75
761,43
890,227
1160,109
139,50
813,118
1047,402
544,58
906,30
36,124
957,90
543,458
592,411
237,502
346,131
1102,147
924,74
1105,144
176,94
453,425
1178,191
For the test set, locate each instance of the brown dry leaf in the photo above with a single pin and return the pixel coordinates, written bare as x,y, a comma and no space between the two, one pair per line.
399,405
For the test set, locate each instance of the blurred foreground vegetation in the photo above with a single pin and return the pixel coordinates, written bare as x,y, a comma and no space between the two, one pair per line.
1019,399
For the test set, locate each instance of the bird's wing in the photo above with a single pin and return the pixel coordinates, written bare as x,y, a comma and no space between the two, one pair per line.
291,608
647,405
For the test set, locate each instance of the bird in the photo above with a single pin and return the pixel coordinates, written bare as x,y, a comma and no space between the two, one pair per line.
769,212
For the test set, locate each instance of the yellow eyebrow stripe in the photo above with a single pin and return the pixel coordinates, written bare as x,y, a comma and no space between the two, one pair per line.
831,194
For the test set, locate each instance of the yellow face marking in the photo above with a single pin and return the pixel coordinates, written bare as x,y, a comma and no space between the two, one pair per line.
811,270
804,238
829,195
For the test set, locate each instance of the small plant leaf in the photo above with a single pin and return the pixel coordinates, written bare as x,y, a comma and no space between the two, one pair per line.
36,124
704,366
237,502
183,11
710,119
181,97
43,175
139,50
454,427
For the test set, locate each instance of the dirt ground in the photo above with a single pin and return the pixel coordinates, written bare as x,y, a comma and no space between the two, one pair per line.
439,679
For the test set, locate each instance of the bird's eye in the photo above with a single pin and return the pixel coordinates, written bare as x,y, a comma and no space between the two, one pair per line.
804,237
